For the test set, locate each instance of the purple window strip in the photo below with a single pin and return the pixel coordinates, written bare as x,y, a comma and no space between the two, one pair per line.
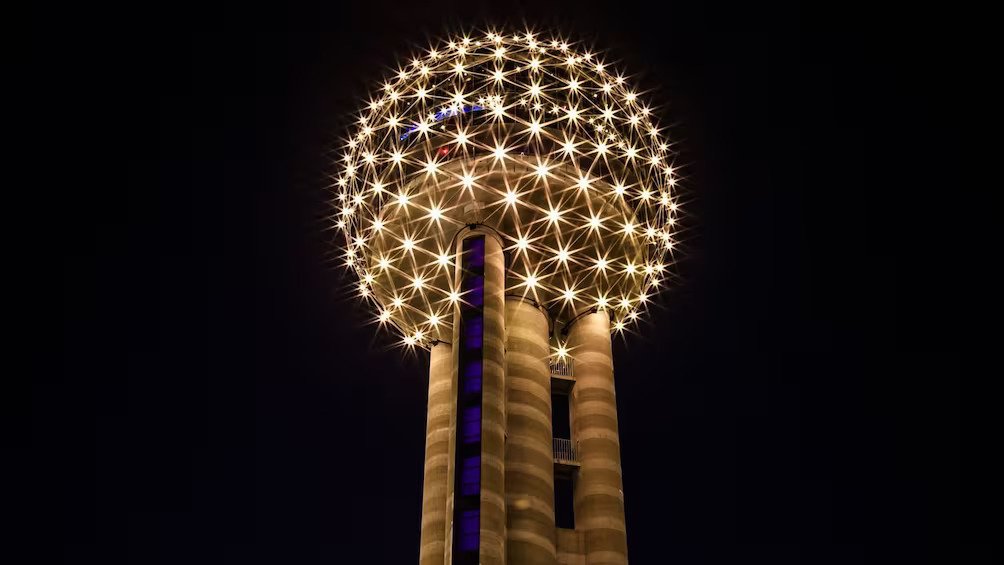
475,296
471,425
470,523
477,249
470,476
473,329
473,384
473,369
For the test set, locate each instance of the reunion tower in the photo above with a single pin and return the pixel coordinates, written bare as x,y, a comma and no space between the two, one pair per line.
508,202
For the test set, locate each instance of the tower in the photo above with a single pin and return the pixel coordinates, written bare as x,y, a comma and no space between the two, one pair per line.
508,203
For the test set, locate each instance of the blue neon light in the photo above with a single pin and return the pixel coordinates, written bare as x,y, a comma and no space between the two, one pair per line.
470,425
469,530
467,480
473,330
442,115
470,476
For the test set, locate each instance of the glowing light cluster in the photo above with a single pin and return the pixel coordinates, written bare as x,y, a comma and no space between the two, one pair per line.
538,138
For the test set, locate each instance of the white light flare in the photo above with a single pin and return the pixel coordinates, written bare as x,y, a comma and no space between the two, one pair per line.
522,122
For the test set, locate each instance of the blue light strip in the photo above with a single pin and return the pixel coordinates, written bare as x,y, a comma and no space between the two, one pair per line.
467,482
442,115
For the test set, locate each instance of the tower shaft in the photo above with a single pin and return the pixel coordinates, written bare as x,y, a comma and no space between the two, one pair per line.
476,485
599,496
529,461
490,472
437,455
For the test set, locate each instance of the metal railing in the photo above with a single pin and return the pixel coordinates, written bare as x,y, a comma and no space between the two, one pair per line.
564,451
561,368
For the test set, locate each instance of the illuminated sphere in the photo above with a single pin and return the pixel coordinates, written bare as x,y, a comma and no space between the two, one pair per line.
533,137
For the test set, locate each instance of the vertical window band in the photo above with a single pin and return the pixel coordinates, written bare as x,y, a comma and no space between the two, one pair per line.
467,485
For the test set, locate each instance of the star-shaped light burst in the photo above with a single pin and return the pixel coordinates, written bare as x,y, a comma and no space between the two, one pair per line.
534,136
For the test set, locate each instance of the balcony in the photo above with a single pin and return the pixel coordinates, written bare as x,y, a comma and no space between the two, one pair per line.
561,376
562,368
565,452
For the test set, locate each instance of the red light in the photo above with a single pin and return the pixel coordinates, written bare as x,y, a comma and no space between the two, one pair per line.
443,151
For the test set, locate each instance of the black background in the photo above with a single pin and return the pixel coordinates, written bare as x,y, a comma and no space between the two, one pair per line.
800,398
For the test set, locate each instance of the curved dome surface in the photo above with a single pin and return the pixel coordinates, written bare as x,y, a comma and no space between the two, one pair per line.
531,137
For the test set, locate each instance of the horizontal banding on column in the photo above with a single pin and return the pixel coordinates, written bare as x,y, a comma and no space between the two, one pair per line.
529,455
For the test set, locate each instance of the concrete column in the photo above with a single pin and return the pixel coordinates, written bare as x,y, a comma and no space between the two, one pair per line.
437,455
492,481
529,459
599,498
493,408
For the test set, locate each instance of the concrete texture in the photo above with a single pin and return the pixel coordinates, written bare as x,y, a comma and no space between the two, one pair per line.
599,498
493,530
517,513
492,517
529,461
437,455
571,547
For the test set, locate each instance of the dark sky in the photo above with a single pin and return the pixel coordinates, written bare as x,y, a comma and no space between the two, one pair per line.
799,399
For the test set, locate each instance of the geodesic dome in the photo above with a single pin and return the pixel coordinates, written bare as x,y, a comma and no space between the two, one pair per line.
538,140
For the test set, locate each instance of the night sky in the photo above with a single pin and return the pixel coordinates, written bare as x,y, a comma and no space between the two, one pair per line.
220,398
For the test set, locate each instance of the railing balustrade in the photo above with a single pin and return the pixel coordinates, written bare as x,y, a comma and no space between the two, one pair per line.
561,368
564,451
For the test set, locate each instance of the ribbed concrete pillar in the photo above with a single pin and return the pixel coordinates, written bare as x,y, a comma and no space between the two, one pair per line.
437,455
493,409
492,480
599,498
529,460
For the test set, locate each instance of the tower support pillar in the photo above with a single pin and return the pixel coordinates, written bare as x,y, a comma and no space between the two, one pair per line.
529,458
476,497
437,455
599,495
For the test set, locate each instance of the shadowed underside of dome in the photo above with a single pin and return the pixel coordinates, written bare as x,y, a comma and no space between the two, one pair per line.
529,136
